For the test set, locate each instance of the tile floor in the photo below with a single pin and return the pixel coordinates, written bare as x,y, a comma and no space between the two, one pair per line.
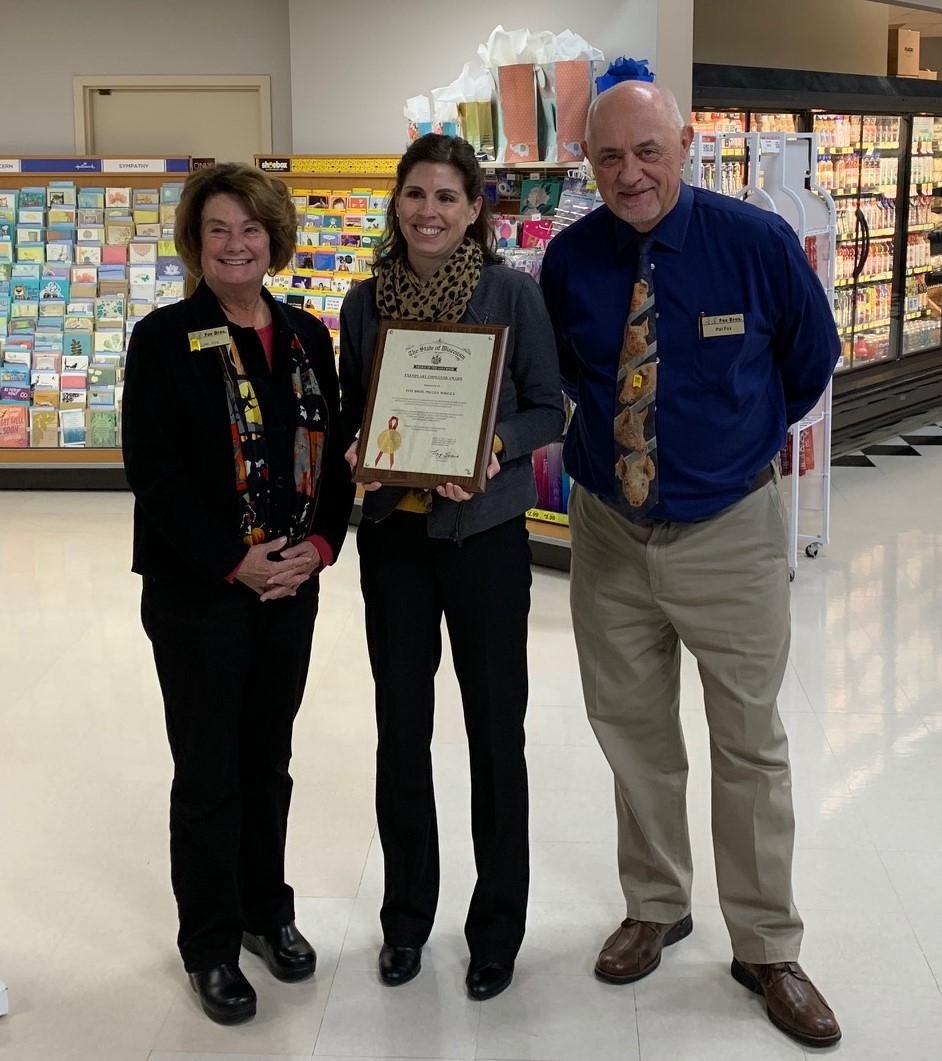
86,916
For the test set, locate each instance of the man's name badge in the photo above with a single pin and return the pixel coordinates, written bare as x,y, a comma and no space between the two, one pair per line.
730,324
208,338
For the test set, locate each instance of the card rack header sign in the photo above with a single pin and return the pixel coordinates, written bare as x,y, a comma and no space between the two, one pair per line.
328,165
87,164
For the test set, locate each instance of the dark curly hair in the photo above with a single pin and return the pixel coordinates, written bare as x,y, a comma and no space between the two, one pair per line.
433,147
265,198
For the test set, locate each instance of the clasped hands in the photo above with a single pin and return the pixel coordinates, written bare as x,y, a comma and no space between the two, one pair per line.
272,579
449,490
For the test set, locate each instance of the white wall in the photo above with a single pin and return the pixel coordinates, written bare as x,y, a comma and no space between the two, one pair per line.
349,85
338,83
840,36
45,42
674,56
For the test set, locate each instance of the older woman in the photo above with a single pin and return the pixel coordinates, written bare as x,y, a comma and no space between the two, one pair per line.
233,448
443,552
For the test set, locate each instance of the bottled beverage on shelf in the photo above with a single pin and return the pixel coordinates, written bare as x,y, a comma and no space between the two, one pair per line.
774,123
861,349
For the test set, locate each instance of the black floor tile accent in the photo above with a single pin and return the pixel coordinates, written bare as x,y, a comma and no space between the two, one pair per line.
891,449
923,440
852,460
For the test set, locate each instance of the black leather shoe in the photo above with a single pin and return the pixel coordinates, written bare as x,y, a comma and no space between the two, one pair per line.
399,965
285,951
486,981
224,993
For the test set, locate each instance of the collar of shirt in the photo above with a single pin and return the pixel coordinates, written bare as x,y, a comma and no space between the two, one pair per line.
669,232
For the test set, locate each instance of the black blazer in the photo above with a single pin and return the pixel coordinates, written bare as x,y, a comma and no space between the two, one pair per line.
178,451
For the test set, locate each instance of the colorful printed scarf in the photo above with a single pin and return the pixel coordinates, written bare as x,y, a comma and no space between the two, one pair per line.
250,448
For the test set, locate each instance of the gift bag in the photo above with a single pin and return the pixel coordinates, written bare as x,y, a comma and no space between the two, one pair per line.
477,126
517,139
564,90
418,114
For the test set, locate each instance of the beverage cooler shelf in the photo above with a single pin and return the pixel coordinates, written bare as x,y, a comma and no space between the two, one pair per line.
871,326
888,192
876,278
854,149
874,233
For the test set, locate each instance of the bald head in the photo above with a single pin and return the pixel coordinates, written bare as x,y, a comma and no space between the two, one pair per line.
637,143
636,95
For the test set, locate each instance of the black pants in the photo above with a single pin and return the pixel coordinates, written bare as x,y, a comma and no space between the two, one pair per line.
232,673
482,587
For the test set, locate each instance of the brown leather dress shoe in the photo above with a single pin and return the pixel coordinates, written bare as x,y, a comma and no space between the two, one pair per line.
795,1006
634,949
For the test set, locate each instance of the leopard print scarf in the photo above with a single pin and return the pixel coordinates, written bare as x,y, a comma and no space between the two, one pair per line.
401,295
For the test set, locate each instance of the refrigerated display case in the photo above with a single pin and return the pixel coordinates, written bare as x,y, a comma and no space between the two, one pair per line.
922,314
880,157
723,169
858,162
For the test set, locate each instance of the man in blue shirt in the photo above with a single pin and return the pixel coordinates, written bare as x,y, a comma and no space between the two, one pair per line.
746,343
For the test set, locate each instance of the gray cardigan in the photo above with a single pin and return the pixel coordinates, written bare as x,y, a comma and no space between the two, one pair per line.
530,410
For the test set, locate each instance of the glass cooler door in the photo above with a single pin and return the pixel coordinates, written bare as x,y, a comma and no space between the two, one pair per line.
921,303
732,173
858,163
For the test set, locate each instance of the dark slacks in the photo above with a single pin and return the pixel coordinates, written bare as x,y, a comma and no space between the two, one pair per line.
482,587
232,673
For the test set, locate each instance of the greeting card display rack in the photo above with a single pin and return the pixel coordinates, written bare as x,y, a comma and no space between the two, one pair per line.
78,468
776,171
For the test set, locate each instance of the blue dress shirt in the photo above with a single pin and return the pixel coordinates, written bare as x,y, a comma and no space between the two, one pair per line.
724,402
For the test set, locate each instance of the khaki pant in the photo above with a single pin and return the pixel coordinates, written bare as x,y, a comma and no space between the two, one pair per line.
721,587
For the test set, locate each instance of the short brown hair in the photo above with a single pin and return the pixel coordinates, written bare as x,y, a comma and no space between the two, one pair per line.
265,199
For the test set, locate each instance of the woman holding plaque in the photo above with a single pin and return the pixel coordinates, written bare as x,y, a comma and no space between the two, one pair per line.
425,554
234,450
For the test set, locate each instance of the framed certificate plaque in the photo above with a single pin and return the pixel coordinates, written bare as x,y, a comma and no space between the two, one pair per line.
431,405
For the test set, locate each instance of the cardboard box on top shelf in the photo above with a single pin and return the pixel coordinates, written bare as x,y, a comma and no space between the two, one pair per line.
929,75
902,56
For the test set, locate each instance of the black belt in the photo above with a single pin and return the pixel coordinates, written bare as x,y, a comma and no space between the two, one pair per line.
766,475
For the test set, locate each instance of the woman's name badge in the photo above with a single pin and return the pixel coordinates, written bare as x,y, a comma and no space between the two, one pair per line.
730,324
208,337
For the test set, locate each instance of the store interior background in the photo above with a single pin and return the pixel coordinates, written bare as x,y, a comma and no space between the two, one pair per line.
87,943
338,84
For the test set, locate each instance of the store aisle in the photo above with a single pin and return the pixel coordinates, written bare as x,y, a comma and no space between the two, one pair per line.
86,916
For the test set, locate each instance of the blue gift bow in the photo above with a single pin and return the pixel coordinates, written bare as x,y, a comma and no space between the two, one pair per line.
623,69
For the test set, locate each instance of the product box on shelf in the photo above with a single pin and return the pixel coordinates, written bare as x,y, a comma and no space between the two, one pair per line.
902,58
